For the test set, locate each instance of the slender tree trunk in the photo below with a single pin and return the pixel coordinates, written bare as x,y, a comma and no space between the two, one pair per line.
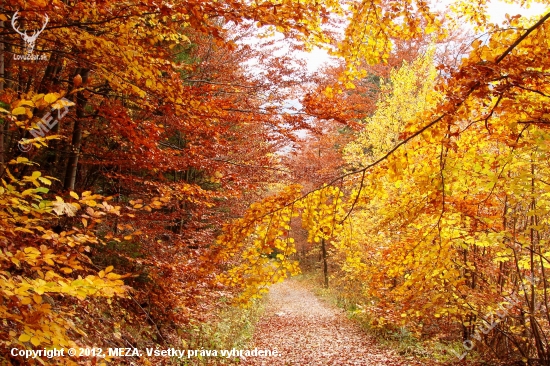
325,266
532,306
76,143
50,83
5,83
1,90
1,57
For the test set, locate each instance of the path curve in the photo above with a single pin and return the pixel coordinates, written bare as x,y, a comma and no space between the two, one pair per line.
309,332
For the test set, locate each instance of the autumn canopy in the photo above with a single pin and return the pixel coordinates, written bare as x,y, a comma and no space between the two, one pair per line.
152,171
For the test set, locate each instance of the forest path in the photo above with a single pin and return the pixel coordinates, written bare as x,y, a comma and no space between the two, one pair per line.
307,331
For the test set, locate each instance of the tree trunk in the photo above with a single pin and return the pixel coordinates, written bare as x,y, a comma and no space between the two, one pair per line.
1,90
76,143
5,83
325,266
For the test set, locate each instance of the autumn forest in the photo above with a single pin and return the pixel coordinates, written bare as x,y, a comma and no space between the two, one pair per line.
176,177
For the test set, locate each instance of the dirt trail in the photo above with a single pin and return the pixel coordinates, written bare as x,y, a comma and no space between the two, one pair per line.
310,332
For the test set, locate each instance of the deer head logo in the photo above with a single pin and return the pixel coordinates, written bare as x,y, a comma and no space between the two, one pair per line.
29,40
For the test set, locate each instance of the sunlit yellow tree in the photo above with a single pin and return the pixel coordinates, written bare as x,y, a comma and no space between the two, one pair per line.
444,212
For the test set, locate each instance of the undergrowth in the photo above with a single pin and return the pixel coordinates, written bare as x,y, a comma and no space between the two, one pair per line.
232,327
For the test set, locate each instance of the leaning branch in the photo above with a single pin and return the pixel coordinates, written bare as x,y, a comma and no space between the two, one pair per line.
522,37
363,170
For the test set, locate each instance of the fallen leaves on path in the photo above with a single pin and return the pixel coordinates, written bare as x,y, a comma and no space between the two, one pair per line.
306,331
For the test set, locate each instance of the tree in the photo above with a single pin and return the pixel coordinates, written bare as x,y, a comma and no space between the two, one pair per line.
450,195
156,111
174,139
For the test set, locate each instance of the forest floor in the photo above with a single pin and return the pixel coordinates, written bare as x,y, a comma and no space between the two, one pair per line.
308,331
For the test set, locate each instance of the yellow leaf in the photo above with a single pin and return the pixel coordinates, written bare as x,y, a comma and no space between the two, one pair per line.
45,180
25,102
62,103
24,337
37,97
52,97
350,85
35,340
37,299
18,111
26,301
74,195
109,269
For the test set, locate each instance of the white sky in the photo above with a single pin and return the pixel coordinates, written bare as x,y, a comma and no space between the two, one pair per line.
497,11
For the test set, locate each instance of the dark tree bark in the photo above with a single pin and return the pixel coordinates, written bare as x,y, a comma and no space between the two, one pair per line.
76,142
325,266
